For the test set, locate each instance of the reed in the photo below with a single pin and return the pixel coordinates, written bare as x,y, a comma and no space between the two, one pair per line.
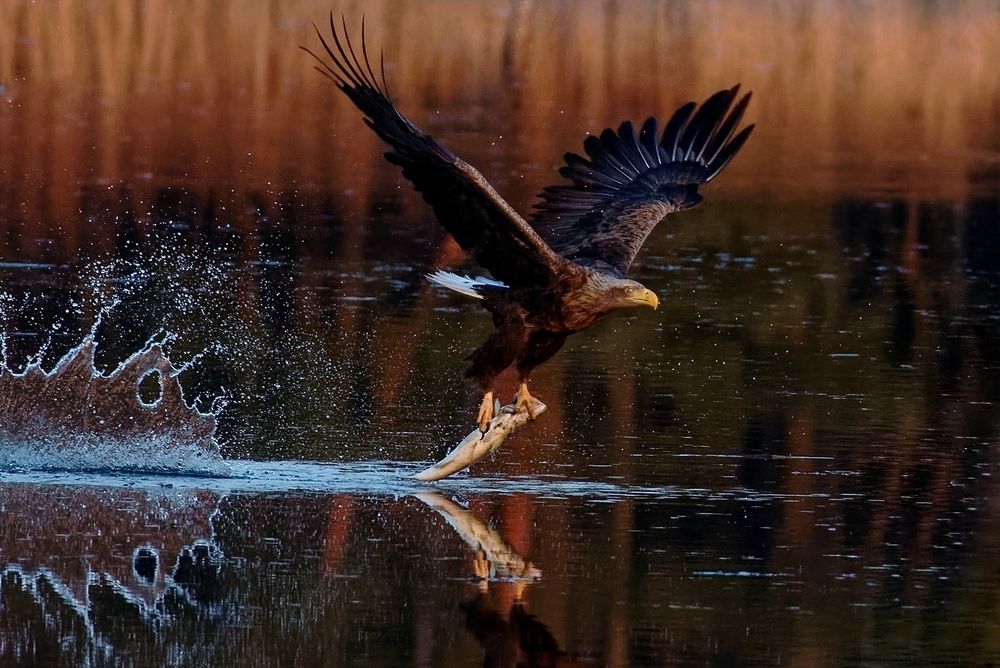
216,97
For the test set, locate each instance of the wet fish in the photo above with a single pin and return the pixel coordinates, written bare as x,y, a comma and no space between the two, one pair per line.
477,445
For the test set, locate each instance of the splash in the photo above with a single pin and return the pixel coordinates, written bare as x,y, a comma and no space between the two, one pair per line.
72,417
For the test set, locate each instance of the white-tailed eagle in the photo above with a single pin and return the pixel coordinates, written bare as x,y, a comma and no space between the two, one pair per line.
561,270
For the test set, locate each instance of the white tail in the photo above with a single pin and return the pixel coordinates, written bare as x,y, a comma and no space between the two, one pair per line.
464,284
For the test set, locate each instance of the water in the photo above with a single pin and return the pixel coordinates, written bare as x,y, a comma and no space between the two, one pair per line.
135,418
793,461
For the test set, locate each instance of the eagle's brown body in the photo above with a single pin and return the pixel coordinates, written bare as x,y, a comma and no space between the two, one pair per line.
564,270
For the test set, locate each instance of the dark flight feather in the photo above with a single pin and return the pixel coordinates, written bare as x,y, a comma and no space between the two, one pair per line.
466,204
628,183
625,185
647,139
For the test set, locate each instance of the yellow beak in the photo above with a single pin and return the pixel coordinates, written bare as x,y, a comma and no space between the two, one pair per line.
646,298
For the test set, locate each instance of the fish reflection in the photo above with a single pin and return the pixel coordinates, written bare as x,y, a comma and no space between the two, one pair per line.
494,559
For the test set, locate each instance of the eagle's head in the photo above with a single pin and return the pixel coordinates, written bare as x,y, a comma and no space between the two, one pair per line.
632,293
603,293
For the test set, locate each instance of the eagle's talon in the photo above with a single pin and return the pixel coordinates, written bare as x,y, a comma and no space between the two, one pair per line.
485,413
525,402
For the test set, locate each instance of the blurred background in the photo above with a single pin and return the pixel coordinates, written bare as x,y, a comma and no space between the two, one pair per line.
106,107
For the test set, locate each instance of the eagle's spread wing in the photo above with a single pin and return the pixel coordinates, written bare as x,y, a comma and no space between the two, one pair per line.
631,182
466,204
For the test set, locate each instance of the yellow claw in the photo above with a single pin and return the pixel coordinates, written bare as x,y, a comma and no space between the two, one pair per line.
485,412
525,401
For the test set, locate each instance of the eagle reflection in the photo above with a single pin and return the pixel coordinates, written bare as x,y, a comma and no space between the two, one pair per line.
497,614
558,273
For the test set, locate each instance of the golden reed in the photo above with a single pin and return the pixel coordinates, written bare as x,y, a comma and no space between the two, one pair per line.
217,97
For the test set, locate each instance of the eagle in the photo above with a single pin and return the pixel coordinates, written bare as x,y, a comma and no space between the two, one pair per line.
562,269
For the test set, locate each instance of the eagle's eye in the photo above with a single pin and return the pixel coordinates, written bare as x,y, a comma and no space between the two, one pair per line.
635,291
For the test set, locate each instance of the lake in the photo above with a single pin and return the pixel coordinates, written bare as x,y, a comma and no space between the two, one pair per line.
795,460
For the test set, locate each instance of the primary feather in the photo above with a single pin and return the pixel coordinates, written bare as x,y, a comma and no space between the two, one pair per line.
628,183
481,221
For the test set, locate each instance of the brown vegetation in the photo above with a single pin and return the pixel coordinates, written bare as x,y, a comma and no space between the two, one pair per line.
216,98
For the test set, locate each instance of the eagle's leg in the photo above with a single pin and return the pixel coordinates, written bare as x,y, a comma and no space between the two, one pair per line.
524,401
541,346
496,354
485,411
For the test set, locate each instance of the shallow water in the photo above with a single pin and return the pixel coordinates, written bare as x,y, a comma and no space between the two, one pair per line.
793,461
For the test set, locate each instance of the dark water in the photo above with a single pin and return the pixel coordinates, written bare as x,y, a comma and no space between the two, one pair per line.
794,461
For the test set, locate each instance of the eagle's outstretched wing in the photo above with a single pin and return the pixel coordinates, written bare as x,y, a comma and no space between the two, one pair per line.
631,182
466,204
